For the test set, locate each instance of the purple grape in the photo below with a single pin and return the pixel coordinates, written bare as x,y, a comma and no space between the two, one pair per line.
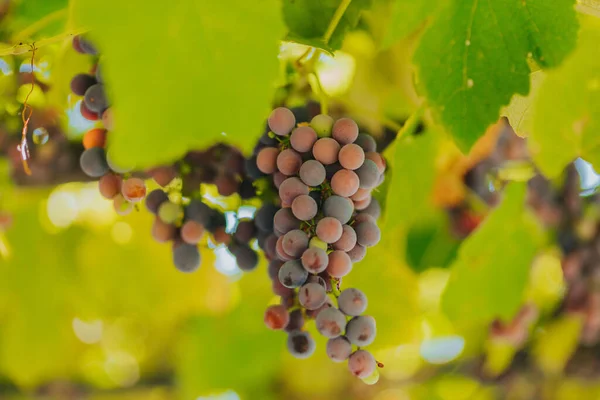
292,274
361,364
340,208
312,173
312,295
81,82
93,162
273,268
339,349
367,234
361,330
95,98
366,142
295,242
352,302
186,257
284,221
315,260
199,212
296,321
331,322
368,175
154,199
300,344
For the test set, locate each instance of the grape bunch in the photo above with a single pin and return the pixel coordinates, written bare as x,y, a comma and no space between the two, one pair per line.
324,173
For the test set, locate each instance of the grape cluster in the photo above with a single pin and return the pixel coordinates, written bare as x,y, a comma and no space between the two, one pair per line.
324,173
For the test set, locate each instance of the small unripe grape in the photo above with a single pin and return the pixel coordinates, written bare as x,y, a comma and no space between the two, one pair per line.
322,124
318,243
169,212
121,205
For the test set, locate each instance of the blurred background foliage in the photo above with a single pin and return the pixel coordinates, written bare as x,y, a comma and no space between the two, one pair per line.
90,305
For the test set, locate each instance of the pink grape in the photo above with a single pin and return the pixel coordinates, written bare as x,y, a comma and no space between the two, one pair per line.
351,156
314,260
292,188
133,189
345,130
289,162
348,239
329,230
266,160
304,207
303,138
162,232
312,296
281,252
339,265
331,322
357,253
278,178
367,233
295,242
338,349
326,150
377,159
191,232
362,204
361,364
360,194
276,317
163,175
312,172
109,186
281,121
345,183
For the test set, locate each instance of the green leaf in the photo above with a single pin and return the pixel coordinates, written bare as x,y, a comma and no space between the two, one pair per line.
34,19
490,275
307,21
473,58
431,243
406,16
183,73
556,343
520,110
567,108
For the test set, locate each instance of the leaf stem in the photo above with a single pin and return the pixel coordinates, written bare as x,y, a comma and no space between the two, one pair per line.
335,20
22,47
412,122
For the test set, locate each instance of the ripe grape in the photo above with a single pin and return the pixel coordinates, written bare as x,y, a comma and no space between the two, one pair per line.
169,212
278,179
109,186
361,364
339,264
284,221
317,279
281,121
292,274
374,209
331,322
292,188
196,211
340,208
314,260
368,175
273,268
348,239
162,232
107,119
121,205
303,138
322,124
361,194
327,304
289,162
351,156
281,254
245,231
93,162
377,159
264,217
276,317
312,295
81,82
133,189
367,234
304,207
345,130
279,289
312,173
329,230
362,204
326,150
364,217
186,257
300,344
296,321
361,330
87,113
295,242
269,245
191,232
366,142
95,98
345,183
357,253
163,175
83,46
266,160
352,302
246,258
338,349
95,137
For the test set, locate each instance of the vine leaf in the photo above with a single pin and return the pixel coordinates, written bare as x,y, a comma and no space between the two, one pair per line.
185,73
520,110
406,16
473,57
307,21
567,108
491,272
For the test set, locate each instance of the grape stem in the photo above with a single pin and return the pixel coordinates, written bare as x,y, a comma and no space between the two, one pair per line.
335,20
412,121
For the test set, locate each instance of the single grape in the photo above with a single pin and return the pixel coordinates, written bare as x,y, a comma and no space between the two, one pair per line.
327,304
351,156
292,274
304,207
326,150
83,46
345,131
322,124
196,211
266,160
245,231
317,279
331,322
295,242
186,257
377,159
276,317
314,260
121,206
133,189
329,230
339,264
348,239
280,290
360,205
95,98
191,232
284,221
312,173
368,175
317,243
246,258
300,344
296,321
93,162
363,217
366,142
162,232
95,137
367,234
303,138
361,330
81,82
361,194
352,302
338,349
357,253
374,209
312,295
163,175
340,208
87,113
281,121
107,119
292,188
345,183
289,162
273,268
361,364
169,212
269,245
278,179
109,186
264,217
281,254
